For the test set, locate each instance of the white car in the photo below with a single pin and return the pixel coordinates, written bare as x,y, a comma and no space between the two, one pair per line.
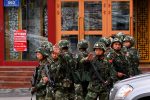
134,88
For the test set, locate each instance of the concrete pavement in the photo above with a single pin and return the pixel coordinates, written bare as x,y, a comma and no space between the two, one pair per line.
16,94
17,98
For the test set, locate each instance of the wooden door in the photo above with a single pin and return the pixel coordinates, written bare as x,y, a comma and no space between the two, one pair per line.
92,19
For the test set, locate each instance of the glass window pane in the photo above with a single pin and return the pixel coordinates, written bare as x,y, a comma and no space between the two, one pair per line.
92,40
69,16
73,41
120,15
93,15
31,16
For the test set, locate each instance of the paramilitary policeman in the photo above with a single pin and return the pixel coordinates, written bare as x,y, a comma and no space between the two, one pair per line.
118,60
101,75
57,76
132,54
39,79
68,62
82,70
48,47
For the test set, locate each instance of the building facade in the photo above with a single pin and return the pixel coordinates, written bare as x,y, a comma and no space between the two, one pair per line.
72,19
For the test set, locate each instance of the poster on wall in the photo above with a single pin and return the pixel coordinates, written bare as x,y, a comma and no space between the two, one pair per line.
20,40
11,3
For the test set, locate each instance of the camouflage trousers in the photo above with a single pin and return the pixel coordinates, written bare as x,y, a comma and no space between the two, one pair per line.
40,97
49,94
41,94
78,92
93,96
61,94
96,90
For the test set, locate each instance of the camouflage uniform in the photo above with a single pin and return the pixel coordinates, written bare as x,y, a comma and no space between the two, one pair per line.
58,72
119,61
81,75
132,55
48,47
99,88
38,85
67,61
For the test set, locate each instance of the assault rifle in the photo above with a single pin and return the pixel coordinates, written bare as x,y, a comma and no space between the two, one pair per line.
100,78
34,81
51,83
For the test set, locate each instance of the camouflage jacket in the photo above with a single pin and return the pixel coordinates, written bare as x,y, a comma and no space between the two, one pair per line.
68,63
57,71
103,81
104,69
82,68
133,56
40,73
119,62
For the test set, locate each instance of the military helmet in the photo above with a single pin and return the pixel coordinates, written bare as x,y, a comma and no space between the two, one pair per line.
108,42
83,44
99,45
120,35
116,40
63,43
42,51
105,40
130,39
47,46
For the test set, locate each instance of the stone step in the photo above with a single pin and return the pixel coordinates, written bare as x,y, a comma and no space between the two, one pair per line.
16,68
15,78
16,73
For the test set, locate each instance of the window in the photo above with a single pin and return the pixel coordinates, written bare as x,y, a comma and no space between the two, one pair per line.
31,15
120,15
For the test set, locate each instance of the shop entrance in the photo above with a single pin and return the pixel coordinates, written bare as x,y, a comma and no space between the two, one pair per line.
92,19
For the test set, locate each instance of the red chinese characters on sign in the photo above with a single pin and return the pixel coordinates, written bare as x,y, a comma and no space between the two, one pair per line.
20,40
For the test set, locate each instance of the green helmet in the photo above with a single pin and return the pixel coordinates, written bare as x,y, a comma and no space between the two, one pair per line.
63,43
130,39
120,35
104,40
42,51
83,44
99,45
116,40
47,46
